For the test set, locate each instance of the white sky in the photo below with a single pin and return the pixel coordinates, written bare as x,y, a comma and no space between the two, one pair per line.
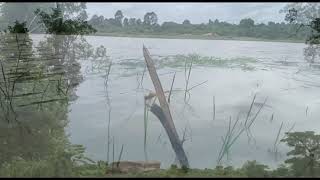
196,12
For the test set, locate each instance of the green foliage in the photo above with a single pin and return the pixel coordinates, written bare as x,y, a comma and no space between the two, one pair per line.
52,168
246,23
18,28
34,96
281,171
22,168
221,171
56,24
307,15
245,28
22,12
118,18
314,38
186,22
150,19
306,153
91,170
72,9
254,169
64,162
65,43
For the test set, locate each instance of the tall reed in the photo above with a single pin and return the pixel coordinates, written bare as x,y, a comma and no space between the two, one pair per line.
275,147
187,77
174,76
120,155
106,82
214,108
232,135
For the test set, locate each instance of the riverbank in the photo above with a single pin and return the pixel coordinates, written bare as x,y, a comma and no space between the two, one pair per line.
192,36
249,169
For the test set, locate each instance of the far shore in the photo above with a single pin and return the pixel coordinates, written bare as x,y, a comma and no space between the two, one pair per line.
192,36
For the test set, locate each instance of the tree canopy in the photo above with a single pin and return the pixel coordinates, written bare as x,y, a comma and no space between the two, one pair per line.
150,25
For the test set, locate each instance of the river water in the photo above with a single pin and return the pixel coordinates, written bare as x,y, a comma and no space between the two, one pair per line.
280,74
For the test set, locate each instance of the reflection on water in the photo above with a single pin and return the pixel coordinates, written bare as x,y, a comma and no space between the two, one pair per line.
280,74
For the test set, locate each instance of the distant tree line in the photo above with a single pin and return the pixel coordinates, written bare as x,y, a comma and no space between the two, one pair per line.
24,12
149,25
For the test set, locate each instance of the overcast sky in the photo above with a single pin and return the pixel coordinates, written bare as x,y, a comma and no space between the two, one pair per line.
196,12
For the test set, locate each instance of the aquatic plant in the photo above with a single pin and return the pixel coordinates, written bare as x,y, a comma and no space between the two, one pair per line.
189,61
232,135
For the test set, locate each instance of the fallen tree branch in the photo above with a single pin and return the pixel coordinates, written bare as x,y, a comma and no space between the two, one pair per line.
163,112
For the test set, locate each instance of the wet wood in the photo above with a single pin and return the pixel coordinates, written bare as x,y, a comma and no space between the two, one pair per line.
163,111
135,166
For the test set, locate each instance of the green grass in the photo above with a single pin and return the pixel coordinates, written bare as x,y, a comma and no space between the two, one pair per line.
61,168
181,173
131,67
249,169
179,61
45,168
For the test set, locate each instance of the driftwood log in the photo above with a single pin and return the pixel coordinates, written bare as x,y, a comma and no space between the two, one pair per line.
163,112
135,166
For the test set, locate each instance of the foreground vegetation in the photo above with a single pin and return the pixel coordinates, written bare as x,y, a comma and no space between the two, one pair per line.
45,169
303,162
20,168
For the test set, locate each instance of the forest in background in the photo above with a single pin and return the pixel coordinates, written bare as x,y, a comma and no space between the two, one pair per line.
149,25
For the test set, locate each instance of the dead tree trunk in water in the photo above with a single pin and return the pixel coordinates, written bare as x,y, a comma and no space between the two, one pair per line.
163,112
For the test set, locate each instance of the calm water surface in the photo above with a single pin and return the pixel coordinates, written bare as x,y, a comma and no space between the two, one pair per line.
280,75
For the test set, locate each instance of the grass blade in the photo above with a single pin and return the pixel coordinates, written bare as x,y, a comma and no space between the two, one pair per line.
174,76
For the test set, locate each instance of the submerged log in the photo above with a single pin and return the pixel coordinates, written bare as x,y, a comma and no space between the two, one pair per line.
163,112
